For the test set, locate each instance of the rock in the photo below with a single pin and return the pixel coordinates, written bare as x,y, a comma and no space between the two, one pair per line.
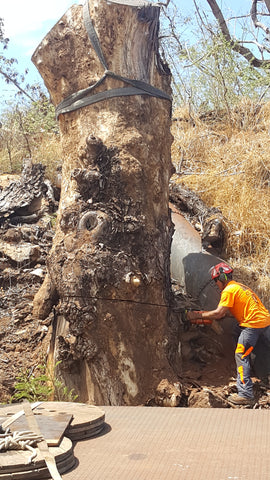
39,272
167,394
206,399
3,263
12,235
20,253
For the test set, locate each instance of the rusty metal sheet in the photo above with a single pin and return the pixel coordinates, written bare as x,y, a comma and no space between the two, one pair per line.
88,420
52,427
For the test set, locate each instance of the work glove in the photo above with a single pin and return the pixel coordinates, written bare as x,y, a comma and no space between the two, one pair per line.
193,314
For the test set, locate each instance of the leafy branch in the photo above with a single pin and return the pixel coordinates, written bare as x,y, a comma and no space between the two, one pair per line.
43,386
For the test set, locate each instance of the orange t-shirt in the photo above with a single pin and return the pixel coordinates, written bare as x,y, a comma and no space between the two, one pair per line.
244,305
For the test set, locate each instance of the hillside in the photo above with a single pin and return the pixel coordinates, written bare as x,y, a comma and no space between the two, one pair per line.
226,161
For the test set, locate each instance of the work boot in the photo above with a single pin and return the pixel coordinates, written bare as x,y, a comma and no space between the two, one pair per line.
237,400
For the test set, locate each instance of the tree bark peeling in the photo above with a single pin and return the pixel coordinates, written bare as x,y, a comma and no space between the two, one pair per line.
109,263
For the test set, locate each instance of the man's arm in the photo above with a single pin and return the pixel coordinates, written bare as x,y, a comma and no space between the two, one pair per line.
216,314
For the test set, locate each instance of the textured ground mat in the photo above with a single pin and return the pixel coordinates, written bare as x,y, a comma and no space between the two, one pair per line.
142,443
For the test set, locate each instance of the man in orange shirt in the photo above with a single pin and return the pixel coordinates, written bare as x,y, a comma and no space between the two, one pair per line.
253,319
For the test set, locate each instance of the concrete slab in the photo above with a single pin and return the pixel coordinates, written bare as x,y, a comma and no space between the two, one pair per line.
151,443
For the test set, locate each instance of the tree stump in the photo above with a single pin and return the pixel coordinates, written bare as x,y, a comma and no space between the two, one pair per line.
109,264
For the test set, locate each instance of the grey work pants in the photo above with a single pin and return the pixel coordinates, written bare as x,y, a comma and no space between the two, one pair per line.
246,343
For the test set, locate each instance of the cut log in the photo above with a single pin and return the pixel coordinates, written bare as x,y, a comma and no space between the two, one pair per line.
26,198
22,198
109,263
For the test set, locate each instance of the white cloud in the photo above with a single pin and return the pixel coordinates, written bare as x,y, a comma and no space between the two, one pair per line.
22,17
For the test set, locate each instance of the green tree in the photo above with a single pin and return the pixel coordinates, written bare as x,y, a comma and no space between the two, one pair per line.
27,121
24,125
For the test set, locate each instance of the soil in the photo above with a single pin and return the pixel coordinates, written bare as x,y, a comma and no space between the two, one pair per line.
23,338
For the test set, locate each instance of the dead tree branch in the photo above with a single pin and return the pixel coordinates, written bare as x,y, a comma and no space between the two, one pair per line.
235,44
10,79
267,3
254,18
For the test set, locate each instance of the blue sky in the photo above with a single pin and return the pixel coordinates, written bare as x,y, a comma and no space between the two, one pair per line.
27,22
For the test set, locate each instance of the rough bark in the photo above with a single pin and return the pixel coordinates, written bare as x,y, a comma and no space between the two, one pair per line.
109,264
21,200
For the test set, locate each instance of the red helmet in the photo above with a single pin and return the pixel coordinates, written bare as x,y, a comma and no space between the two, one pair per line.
220,268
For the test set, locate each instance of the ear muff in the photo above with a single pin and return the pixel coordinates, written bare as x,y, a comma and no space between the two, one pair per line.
222,277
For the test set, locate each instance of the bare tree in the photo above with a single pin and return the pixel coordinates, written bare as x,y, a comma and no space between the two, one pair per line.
216,56
236,44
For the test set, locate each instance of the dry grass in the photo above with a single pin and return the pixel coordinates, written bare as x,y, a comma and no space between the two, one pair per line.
227,162
48,152
45,149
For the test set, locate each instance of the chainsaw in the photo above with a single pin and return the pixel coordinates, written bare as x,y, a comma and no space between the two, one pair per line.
198,321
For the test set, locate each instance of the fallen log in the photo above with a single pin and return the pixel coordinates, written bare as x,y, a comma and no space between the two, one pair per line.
22,198
209,221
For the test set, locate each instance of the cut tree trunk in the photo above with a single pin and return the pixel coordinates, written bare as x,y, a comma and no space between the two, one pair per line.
109,264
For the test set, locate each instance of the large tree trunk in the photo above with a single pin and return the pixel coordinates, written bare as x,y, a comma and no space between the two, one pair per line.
109,264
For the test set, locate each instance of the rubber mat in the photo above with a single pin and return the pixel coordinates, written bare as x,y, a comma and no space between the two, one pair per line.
151,443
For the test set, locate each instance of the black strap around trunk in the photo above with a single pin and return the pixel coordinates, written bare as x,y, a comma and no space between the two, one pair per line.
85,97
